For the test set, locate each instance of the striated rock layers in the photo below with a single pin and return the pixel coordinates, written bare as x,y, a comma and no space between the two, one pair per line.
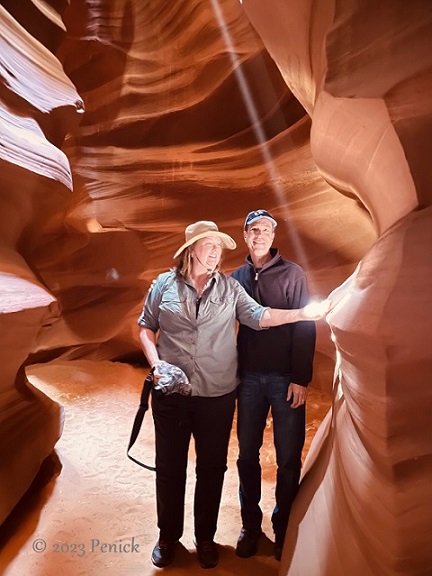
38,104
122,122
363,71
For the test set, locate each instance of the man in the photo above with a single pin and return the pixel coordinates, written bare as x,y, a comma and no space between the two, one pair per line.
275,368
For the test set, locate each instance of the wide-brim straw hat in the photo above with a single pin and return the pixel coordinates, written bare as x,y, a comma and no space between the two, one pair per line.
204,229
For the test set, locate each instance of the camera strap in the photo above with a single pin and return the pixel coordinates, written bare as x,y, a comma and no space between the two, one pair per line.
139,417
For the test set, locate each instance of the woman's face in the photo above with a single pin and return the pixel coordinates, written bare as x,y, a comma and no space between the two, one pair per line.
207,253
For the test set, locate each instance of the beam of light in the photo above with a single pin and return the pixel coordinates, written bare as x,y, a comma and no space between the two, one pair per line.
256,124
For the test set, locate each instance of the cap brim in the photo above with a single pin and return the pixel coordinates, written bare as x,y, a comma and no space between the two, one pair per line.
228,242
272,220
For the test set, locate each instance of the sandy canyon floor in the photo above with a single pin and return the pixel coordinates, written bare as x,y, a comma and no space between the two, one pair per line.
91,511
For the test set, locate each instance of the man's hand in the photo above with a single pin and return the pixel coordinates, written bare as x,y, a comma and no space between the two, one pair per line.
298,393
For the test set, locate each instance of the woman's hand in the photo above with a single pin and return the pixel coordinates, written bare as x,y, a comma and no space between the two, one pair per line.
156,373
316,310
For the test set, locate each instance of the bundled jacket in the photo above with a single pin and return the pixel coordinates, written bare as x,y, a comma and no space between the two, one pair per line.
287,349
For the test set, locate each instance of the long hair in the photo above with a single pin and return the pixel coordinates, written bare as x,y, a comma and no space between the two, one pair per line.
185,264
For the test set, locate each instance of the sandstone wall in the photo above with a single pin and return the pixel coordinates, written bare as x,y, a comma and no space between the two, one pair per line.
363,72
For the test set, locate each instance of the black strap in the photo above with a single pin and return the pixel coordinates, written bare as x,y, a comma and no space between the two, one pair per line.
143,407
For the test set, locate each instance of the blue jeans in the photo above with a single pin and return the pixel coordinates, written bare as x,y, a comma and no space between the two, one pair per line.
258,393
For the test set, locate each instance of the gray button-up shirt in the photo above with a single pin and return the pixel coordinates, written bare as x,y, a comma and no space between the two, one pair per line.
200,339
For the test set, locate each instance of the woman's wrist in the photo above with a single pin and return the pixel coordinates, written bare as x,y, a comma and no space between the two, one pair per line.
295,314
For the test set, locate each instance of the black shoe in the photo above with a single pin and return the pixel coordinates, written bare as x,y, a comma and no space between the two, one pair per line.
278,546
163,553
247,543
208,555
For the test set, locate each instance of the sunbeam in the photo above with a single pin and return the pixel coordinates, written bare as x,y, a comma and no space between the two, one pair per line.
262,141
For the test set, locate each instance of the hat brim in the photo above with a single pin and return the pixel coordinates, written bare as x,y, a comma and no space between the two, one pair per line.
227,241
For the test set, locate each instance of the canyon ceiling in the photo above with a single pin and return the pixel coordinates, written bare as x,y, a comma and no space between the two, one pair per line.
122,121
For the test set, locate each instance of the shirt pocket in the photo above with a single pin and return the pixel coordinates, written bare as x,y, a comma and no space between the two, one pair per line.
220,307
172,311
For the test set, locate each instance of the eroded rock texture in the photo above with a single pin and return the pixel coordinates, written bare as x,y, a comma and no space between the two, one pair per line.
38,105
122,122
363,72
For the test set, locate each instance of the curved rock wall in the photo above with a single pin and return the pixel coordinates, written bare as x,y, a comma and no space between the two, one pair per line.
38,105
363,71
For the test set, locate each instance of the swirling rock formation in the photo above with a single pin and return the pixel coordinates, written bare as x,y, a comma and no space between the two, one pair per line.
363,72
35,178
122,122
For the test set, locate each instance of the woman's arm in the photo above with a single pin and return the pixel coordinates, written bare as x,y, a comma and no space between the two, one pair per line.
148,343
277,317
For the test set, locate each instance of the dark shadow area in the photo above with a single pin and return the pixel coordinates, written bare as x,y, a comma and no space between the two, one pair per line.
24,518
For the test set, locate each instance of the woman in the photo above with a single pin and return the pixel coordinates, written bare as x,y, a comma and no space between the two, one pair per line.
193,309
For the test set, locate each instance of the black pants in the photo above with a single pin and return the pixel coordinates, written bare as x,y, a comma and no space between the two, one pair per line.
209,421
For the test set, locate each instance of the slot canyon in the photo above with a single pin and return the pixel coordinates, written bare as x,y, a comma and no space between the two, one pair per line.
123,121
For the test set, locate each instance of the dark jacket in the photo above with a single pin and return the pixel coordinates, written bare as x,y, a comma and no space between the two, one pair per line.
287,349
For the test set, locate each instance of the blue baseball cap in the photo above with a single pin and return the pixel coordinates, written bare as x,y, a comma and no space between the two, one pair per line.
256,215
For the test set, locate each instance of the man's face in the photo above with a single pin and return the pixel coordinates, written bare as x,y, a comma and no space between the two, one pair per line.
259,237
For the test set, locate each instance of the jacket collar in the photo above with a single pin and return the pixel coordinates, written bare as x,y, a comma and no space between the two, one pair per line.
275,256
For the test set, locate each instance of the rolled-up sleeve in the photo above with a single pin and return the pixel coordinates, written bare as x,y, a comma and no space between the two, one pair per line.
248,311
149,317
